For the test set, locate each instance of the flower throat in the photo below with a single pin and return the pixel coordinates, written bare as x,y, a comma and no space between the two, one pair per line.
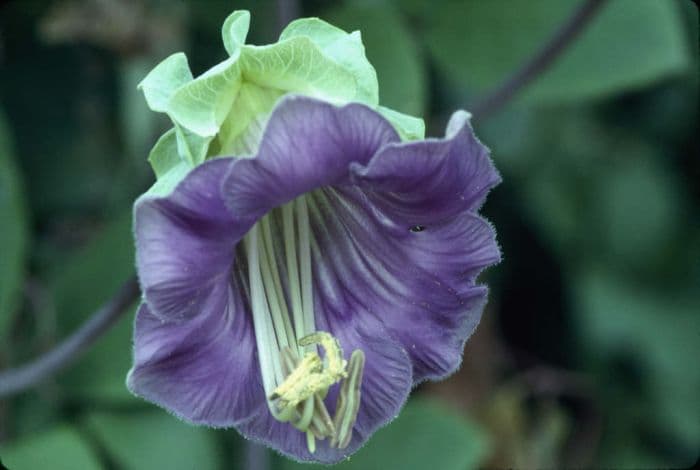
295,377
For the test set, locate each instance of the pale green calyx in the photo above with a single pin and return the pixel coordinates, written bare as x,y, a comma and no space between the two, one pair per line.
223,111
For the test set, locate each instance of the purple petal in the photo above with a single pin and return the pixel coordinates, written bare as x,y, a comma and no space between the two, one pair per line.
421,286
385,386
203,369
185,243
307,144
446,303
387,378
424,182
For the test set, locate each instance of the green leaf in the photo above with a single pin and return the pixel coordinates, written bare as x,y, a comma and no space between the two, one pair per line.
155,440
391,49
235,30
160,84
602,177
638,206
61,448
13,232
660,330
79,288
632,43
425,435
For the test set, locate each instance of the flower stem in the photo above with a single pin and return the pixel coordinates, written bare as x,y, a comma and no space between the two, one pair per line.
539,62
16,380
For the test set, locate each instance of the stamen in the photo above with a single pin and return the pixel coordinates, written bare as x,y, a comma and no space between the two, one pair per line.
307,415
307,299
278,292
309,377
280,327
310,442
292,391
334,354
348,401
322,425
289,361
260,312
296,377
304,412
292,269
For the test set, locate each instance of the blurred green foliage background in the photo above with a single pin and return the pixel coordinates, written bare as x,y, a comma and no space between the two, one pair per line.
587,355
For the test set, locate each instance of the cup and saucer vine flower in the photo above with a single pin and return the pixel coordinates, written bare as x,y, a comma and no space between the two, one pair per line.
306,257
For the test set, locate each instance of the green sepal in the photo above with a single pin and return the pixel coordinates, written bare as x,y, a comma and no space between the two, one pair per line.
160,84
167,182
345,49
167,164
241,132
409,127
311,58
298,65
235,30
164,155
177,146
224,111
202,104
191,147
174,154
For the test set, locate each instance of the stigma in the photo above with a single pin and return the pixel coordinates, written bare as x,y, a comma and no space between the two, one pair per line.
296,378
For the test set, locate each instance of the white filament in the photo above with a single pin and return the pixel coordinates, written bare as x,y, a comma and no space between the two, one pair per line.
273,328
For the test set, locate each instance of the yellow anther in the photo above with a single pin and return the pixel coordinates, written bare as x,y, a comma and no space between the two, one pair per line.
348,403
310,376
299,398
335,364
311,364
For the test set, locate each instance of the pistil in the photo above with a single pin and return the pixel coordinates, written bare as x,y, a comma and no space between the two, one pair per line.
295,377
